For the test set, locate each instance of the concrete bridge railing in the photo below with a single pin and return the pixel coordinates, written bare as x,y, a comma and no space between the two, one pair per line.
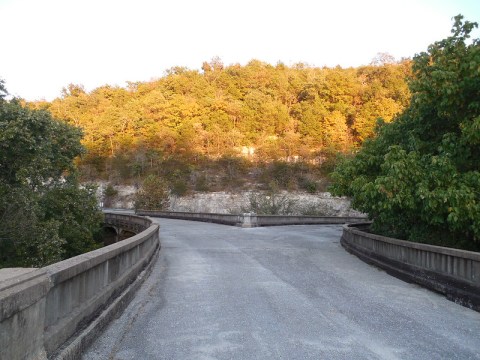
121,222
252,220
452,272
55,311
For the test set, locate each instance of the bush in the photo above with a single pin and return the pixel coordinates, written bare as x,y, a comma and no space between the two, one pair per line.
109,194
270,202
152,195
308,185
317,209
201,183
179,187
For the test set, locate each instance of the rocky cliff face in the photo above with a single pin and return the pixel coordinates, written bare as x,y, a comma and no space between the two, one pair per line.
300,203
227,203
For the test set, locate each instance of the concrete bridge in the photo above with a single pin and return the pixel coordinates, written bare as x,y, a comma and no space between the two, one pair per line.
119,226
289,292
222,292
55,311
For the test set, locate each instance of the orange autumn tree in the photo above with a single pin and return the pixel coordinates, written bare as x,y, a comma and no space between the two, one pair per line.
279,111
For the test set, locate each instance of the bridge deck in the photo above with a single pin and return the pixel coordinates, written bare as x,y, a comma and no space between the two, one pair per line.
291,292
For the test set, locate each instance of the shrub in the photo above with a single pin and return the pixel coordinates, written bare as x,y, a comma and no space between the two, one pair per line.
109,194
270,202
152,195
308,185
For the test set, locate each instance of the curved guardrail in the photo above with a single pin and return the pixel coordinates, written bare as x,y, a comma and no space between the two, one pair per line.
55,311
252,220
452,272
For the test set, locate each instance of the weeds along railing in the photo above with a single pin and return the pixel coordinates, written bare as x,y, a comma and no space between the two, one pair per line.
452,272
56,311
251,220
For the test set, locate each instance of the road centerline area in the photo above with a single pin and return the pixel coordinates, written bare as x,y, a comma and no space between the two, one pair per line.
289,292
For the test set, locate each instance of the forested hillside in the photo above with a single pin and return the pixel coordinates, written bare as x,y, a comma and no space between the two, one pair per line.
258,112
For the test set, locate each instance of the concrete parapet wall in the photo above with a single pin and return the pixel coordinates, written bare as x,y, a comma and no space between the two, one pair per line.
226,219
452,272
22,314
251,220
44,311
274,220
135,224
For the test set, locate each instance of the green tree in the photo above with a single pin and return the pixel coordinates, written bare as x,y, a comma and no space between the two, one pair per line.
75,209
152,195
25,238
36,171
419,179
3,90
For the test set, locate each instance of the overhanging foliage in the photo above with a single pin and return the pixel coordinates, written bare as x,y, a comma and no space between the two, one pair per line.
419,178
44,215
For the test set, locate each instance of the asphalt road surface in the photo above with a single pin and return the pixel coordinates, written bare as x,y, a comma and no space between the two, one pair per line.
288,292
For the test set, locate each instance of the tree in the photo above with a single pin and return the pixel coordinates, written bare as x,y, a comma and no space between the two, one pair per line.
25,238
40,199
35,149
189,114
75,209
3,90
382,58
419,179
152,195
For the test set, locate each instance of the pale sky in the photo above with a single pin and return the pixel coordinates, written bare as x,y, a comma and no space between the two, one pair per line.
48,44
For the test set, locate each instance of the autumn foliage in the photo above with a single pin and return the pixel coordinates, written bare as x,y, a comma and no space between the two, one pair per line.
258,111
